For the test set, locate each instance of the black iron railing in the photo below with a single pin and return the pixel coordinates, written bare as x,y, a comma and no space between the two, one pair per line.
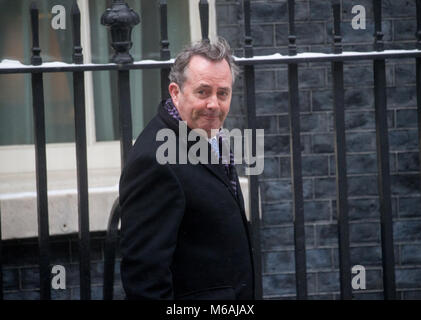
121,24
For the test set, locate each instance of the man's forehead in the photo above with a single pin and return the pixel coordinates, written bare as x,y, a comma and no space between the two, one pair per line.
202,70
199,64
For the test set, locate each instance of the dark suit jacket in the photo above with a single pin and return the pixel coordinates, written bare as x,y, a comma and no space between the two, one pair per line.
184,232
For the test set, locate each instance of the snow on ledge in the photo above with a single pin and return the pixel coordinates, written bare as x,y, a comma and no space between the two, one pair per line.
306,55
15,64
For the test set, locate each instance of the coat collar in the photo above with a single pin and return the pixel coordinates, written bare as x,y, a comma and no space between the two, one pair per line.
217,169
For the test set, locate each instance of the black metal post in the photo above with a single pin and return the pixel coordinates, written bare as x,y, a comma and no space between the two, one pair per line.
40,162
418,74
165,52
121,19
295,149
340,157
81,160
204,18
249,77
125,114
1,263
110,247
383,161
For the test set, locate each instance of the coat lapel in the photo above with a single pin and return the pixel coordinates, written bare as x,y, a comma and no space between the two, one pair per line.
217,169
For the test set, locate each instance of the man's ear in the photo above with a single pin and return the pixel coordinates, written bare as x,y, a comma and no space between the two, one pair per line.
174,91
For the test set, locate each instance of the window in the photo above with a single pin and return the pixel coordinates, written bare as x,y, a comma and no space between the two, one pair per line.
16,124
17,154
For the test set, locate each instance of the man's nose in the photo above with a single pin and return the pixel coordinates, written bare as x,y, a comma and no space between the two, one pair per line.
212,102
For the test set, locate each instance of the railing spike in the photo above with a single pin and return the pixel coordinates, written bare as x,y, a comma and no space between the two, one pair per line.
36,51
378,34
248,40
204,18
292,47
77,49
418,33
165,51
337,38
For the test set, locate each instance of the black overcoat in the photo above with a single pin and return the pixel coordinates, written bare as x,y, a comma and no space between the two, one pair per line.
184,233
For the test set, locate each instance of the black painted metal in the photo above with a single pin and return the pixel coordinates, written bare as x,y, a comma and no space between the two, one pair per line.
295,149
204,18
110,247
418,73
253,60
340,157
248,47
1,263
165,52
36,51
337,38
249,80
126,135
292,47
378,34
40,163
81,160
121,19
383,162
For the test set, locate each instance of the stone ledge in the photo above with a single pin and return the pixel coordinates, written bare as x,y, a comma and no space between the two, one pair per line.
18,203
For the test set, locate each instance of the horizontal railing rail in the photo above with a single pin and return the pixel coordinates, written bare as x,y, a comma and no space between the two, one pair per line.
241,61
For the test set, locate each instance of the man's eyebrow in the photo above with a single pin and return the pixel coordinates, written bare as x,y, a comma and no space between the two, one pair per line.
206,86
203,85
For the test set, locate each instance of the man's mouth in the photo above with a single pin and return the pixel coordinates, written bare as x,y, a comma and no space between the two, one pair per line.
211,116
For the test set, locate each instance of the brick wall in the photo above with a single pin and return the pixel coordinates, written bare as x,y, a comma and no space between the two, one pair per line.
313,29
21,271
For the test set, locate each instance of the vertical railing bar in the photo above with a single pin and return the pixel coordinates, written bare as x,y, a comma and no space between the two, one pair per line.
340,157
248,47
110,247
165,51
249,80
418,74
1,261
81,160
125,115
295,149
121,18
204,18
383,161
40,161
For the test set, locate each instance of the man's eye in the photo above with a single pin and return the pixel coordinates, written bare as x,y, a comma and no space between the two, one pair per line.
223,93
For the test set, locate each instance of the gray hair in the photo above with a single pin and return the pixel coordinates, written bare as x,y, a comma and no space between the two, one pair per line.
216,51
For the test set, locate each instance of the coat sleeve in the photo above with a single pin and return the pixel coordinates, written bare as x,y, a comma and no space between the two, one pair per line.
152,206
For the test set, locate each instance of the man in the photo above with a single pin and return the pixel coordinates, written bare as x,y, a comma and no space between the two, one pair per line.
183,226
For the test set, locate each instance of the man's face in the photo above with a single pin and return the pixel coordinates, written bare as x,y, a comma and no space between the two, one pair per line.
205,97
